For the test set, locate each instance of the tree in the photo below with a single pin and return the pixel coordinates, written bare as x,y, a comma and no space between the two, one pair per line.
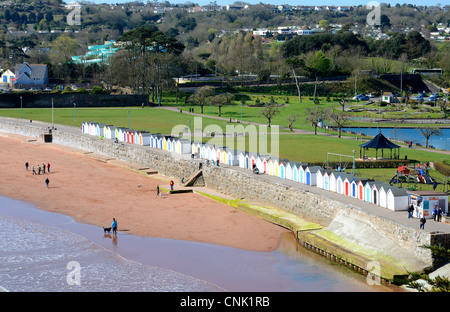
221,100
269,111
63,48
428,132
340,120
201,95
292,118
443,104
296,62
315,115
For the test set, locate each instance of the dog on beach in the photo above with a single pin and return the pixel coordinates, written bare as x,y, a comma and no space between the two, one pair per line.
107,230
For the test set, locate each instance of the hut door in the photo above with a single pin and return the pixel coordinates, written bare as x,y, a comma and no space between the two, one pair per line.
374,196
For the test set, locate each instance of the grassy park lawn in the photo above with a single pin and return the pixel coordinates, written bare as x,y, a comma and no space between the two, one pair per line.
295,147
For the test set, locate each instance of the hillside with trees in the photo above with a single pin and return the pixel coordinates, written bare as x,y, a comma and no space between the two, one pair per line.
217,42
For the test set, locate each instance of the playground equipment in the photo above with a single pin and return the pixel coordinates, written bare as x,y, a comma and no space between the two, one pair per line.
417,175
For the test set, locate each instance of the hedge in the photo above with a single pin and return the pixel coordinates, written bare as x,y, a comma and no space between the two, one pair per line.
442,168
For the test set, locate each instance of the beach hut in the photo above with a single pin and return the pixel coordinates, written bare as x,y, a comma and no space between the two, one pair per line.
122,134
311,175
326,179
368,191
319,177
111,132
383,195
276,167
295,166
354,187
232,157
360,189
270,168
242,158
144,138
288,171
182,146
340,182
348,190
332,181
301,173
282,168
264,164
92,128
397,199
252,160
375,192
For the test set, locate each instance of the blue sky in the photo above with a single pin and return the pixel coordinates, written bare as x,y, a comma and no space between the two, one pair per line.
300,2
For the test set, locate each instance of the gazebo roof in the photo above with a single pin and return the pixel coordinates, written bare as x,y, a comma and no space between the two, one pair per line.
379,141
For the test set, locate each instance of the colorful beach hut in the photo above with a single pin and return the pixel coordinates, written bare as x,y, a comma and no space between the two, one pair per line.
144,138
311,175
301,173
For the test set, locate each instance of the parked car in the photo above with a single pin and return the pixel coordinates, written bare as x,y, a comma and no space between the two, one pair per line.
419,98
432,98
48,89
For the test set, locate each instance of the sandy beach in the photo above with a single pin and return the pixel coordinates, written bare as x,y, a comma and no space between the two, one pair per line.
95,192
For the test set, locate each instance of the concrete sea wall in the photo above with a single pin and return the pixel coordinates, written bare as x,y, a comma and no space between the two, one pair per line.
347,233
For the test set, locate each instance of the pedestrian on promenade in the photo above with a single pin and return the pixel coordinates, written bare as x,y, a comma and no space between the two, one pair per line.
39,169
43,168
410,211
435,213
171,185
26,166
48,167
47,181
422,223
157,190
440,212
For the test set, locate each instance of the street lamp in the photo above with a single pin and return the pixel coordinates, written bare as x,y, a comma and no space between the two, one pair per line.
74,114
128,119
20,107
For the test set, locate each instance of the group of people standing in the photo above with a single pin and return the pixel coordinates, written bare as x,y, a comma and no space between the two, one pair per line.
38,170
437,214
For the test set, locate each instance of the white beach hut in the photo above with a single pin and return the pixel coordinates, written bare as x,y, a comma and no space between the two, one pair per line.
332,181
326,179
397,199
288,171
375,192
301,173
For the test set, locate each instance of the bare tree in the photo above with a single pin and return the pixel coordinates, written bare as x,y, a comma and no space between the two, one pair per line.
292,118
315,115
340,120
428,132
269,111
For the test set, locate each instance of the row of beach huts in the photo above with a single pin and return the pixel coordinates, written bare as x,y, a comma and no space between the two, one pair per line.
379,193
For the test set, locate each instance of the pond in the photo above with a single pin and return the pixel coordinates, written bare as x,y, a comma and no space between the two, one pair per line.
407,134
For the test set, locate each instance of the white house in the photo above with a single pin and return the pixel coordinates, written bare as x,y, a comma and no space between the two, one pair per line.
7,79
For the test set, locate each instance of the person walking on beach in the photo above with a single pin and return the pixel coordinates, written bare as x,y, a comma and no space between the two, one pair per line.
157,190
114,226
48,167
32,169
39,169
43,168
422,223
47,181
26,166
171,185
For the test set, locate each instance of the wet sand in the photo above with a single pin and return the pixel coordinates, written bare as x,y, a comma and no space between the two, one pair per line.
95,192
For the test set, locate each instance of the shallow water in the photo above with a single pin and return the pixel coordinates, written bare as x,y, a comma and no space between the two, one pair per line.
38,250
